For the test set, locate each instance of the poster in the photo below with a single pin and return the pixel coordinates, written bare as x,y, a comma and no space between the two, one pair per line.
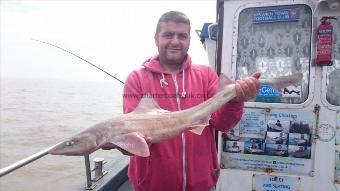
279,139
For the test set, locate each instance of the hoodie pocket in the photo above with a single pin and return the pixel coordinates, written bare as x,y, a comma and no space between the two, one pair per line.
143,170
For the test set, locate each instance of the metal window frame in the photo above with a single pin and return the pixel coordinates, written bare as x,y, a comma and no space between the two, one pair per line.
232,69
324,100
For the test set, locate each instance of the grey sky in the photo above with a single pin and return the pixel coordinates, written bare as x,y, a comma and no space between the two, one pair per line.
117,35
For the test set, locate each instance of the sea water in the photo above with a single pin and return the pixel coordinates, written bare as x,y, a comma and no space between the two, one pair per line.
38,113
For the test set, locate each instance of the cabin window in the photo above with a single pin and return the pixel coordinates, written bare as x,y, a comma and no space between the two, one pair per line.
333,72
276,41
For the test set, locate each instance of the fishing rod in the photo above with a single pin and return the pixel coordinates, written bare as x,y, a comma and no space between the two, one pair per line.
83,59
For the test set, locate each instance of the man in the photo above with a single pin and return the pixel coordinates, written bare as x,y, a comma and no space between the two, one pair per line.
235,148
188,161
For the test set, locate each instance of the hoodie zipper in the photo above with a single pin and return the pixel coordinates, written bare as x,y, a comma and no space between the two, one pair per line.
183,136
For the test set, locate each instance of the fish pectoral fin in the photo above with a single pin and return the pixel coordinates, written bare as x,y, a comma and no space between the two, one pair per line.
133,143
199,126
197,129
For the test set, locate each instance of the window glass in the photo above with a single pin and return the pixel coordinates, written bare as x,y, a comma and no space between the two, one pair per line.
276,41
333,72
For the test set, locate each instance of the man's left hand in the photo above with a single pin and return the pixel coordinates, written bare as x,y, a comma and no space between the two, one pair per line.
247,88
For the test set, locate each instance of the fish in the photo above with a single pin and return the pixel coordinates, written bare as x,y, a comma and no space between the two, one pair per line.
282,81
148,120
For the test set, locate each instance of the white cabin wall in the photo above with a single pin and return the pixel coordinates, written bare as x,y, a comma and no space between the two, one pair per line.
322,178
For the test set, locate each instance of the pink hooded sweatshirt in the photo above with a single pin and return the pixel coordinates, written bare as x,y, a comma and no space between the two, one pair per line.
187,161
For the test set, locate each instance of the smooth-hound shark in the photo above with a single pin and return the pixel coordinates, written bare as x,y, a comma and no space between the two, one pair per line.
129,131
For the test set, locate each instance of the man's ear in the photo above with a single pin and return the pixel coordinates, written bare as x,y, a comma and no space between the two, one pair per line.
156,39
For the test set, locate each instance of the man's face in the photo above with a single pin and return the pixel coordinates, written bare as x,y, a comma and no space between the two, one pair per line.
173,41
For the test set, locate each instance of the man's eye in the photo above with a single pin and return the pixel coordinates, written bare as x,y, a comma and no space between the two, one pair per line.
167,35
182,36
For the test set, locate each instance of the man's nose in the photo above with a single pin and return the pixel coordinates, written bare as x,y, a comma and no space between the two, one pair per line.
175,40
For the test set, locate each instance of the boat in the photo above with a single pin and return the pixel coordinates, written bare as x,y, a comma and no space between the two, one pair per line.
275,38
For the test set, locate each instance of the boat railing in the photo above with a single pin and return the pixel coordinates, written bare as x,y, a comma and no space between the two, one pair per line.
6,170
98,169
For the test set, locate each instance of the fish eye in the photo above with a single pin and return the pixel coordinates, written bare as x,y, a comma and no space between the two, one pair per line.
69,143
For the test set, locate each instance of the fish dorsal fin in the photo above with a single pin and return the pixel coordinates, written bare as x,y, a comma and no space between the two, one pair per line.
223,81
147,105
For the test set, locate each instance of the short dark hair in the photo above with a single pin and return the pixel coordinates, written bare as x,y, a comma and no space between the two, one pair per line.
173,16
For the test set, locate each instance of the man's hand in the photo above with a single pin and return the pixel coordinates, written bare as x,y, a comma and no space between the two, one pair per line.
247,88
109,146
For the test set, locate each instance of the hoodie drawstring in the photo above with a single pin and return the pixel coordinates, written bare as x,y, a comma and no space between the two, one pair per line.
164,83
184,93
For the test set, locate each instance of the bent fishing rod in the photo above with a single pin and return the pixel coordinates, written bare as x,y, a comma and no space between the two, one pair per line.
83,59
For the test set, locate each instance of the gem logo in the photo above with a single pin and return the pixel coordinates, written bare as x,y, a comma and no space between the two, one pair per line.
268,91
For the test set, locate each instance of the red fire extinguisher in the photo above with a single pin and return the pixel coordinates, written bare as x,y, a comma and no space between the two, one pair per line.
324,42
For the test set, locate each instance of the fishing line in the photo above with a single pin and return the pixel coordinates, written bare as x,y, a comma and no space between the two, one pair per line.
83,59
